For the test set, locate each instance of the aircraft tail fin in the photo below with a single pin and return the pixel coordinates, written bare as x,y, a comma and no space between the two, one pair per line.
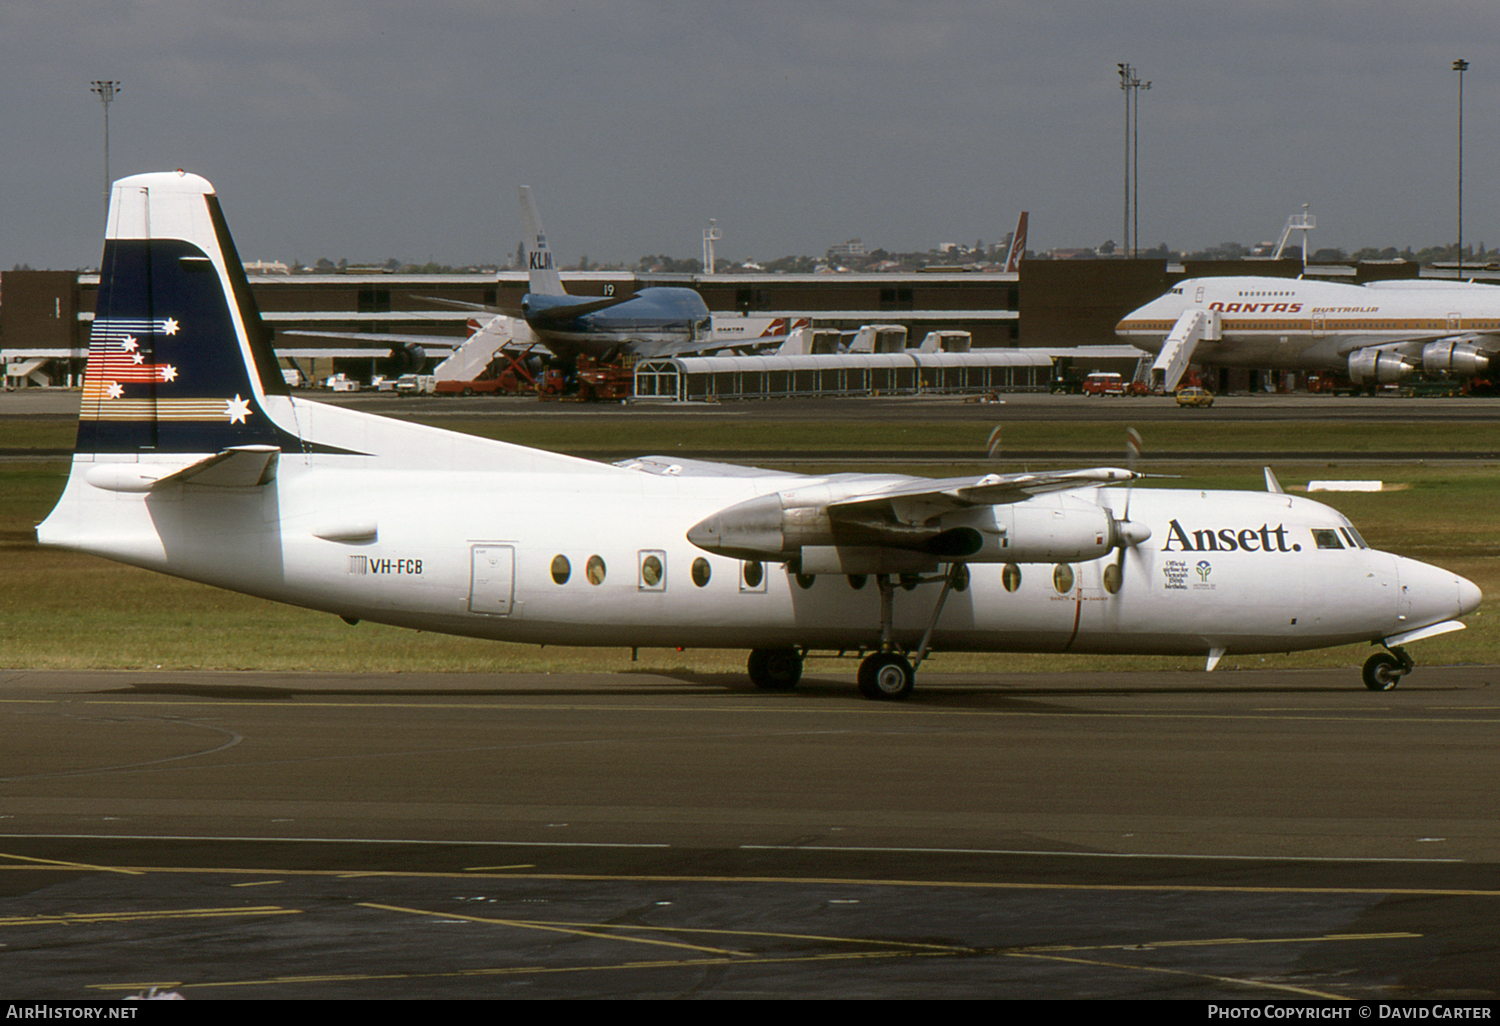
179,359
1017,249
545,281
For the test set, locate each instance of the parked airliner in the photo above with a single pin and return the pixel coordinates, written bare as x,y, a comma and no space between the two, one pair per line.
1376,333
194,459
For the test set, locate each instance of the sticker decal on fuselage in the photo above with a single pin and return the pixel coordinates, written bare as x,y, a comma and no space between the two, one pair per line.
395,566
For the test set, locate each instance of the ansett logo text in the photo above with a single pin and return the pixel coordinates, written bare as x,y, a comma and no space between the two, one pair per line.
1226,539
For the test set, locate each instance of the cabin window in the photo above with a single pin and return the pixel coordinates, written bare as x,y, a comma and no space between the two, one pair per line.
1062,578
701,572
805,581
561,569
753,576
1327,539
1011,577
857,581
653,571
594,570
1112,578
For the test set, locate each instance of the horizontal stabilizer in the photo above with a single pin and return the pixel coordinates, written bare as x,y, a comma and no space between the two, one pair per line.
244,466
241,467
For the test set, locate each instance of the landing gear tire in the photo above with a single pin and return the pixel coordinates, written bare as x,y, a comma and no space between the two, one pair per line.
775,669
1382,671
886,676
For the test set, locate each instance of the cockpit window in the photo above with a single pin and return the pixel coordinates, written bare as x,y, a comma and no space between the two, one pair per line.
1353,537
1327,539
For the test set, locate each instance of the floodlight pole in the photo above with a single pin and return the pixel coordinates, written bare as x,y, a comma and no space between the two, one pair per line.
1132,86
105,89
1135,169
1460,66
1126,73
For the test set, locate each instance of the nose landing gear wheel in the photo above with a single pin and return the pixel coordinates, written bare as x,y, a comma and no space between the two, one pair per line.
886,676
1382,671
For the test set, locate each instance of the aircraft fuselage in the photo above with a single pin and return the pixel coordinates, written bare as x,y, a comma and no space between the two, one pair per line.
528,557
649,320
1314,325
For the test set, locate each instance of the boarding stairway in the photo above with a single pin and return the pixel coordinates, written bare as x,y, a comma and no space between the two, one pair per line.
22,369
469,360
1177,351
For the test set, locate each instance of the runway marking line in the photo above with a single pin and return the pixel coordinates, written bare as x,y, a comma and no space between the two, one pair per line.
590,928
74,918
1286,987
993,885
1216,941
739,959
61,864
580,929
509,971
908,711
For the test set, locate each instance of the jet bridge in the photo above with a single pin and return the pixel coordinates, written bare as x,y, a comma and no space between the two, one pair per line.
1177,351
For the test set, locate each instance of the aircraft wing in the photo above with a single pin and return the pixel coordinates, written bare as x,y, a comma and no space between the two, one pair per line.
1412,344
425,341
989,490
563,315
460,304
672,466
702,346
844,524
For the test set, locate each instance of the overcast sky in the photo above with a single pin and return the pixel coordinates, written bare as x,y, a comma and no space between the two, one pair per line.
377,129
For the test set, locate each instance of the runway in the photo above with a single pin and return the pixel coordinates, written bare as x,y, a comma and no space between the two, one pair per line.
1234,835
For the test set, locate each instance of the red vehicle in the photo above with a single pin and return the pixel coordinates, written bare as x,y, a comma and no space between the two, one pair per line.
595,382
1101,383
1331,383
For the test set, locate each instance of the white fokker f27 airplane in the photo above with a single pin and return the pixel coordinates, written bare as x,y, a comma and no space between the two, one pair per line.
1376,334
193,460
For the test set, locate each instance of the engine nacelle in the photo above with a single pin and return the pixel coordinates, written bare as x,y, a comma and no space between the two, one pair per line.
1378,366
1049,528
1457,358
1056,528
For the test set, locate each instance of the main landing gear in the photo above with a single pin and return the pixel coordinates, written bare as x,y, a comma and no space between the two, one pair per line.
887,674
775,669
1384,670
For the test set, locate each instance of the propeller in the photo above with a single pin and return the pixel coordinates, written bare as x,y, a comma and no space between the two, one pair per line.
1124,534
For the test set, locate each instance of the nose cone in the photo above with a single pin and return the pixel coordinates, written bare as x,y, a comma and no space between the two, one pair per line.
1435,594
1469,596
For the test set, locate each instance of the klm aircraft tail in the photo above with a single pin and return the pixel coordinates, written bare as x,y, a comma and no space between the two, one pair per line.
179,361
544,279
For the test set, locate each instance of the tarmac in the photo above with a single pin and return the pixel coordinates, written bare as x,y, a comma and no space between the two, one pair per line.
1240,835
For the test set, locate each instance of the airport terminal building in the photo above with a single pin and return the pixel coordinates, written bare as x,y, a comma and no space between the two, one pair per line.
45,316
